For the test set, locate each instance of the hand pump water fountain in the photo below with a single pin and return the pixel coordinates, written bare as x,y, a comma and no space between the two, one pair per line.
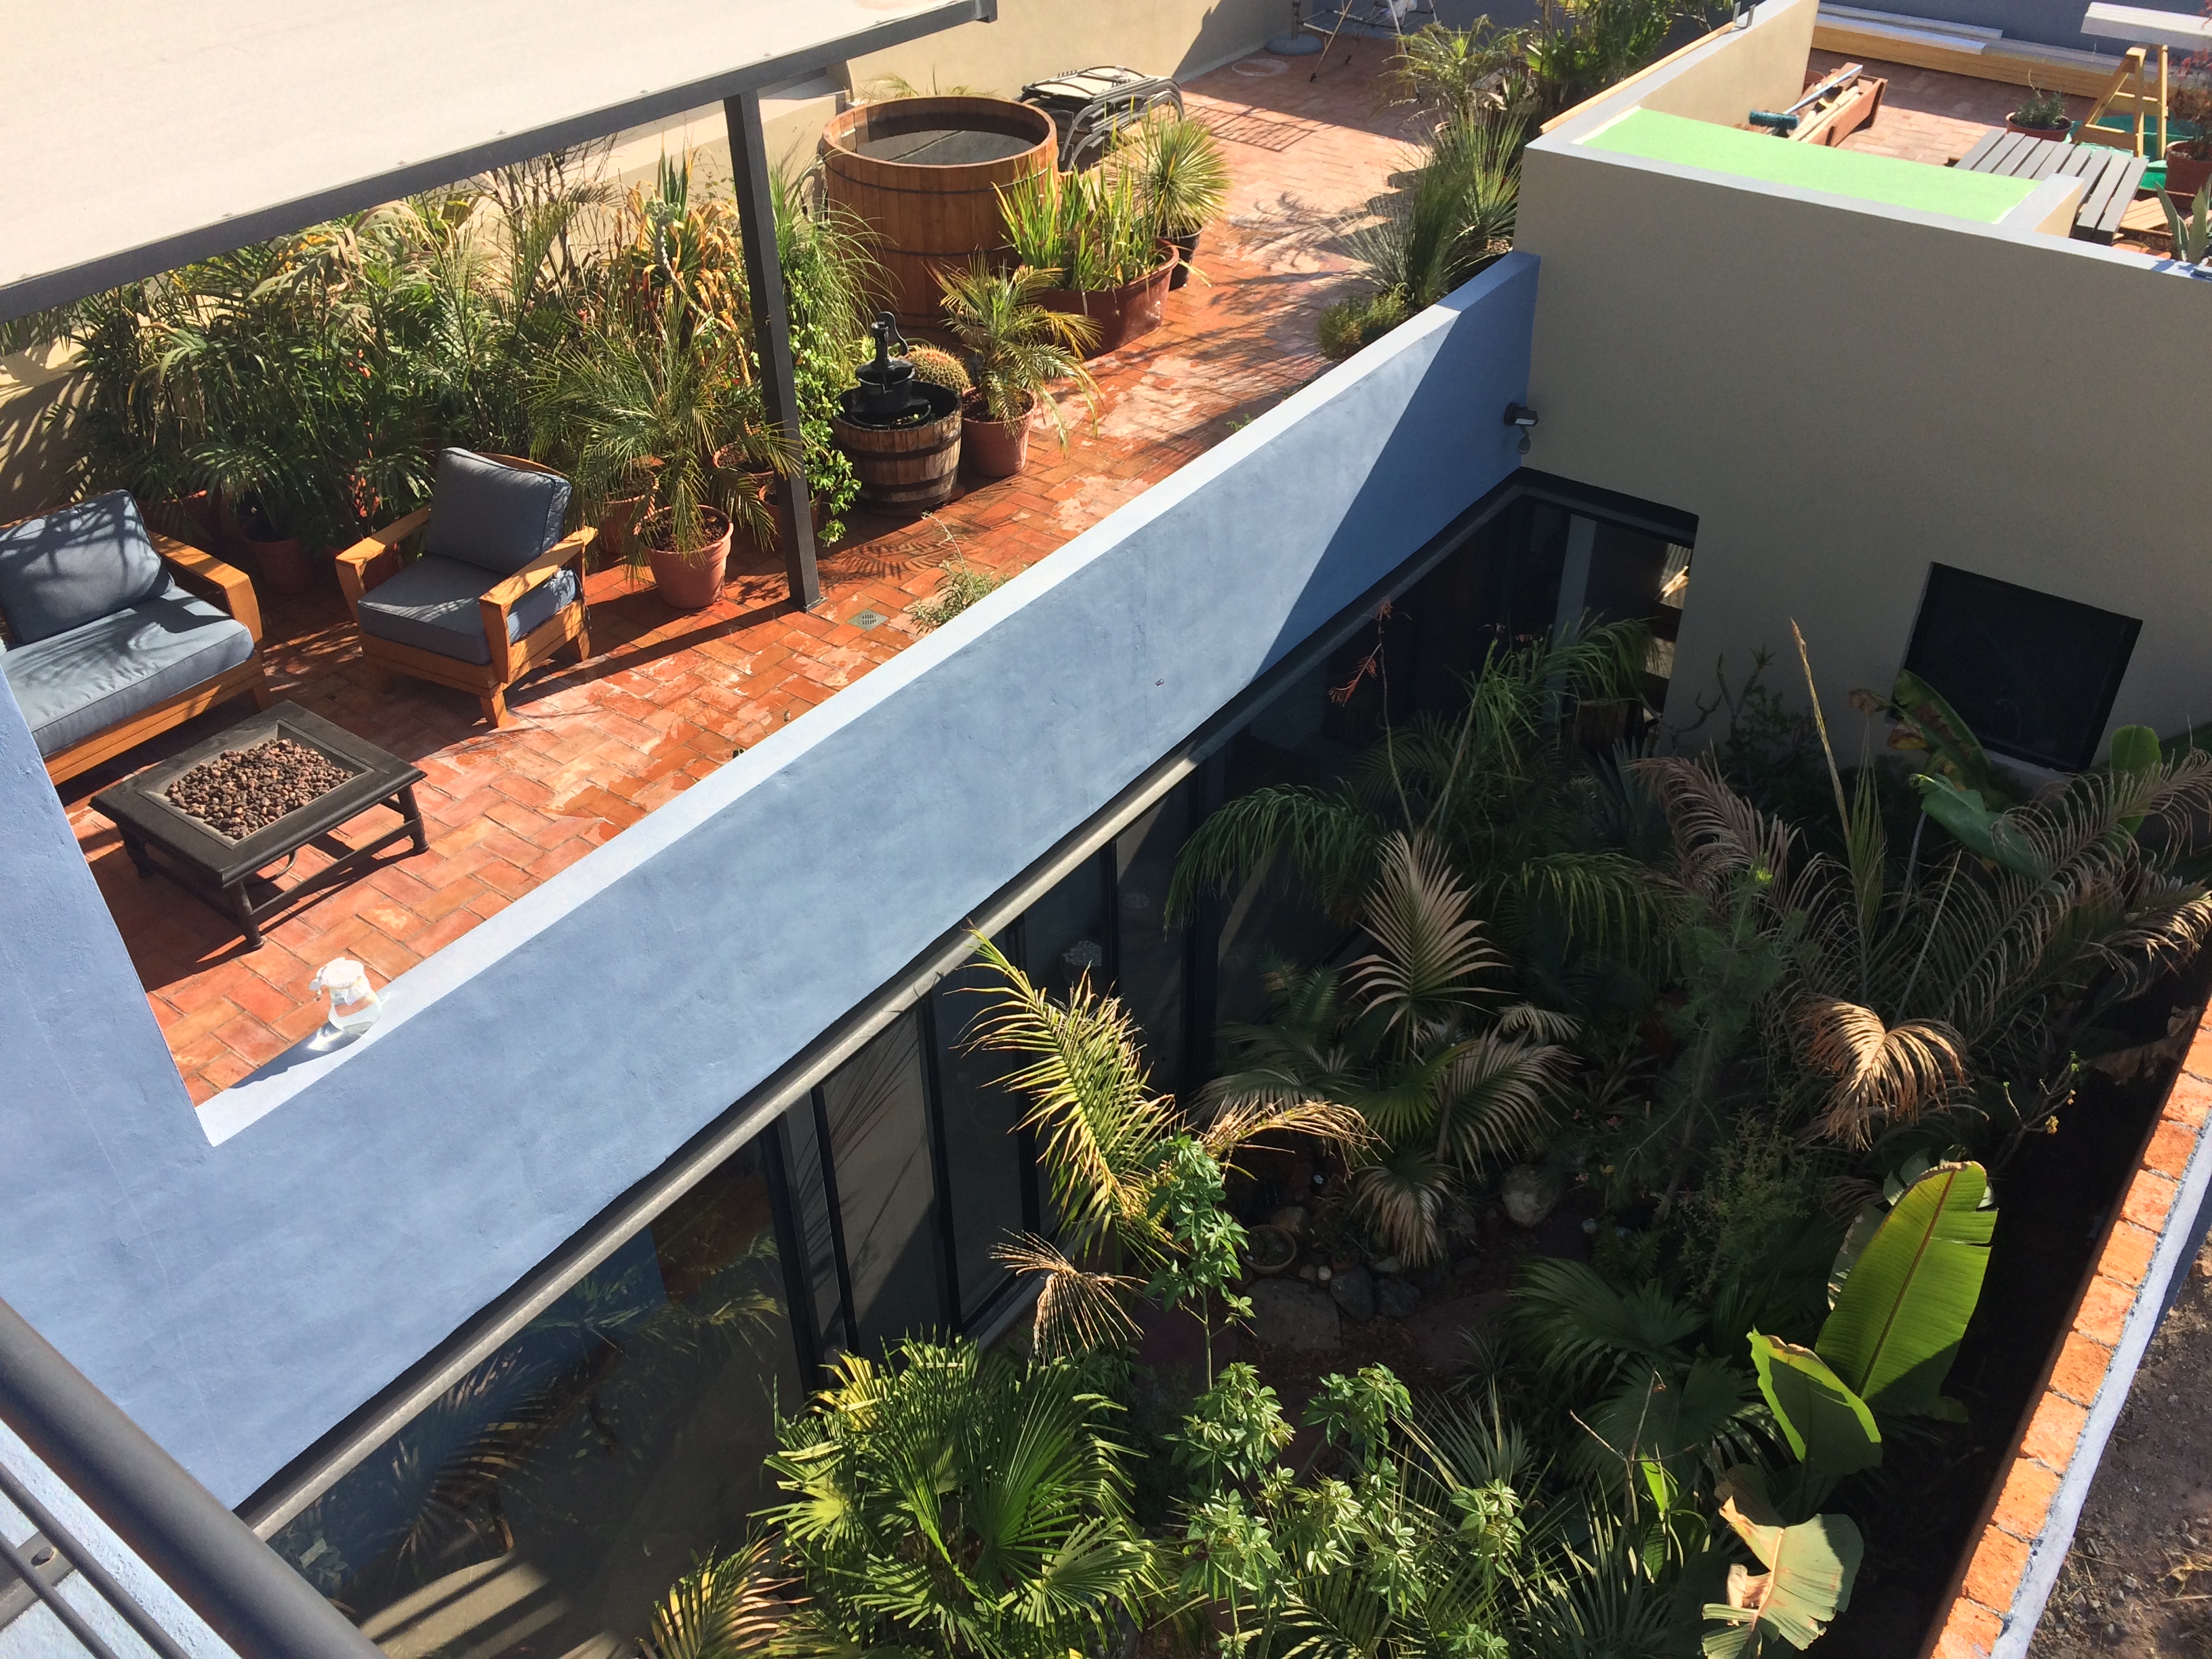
903,433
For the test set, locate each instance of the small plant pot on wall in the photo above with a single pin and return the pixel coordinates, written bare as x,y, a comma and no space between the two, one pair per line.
1124,313
995,449
689,579
2056,135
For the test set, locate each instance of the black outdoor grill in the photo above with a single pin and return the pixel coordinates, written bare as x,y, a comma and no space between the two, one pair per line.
1090,107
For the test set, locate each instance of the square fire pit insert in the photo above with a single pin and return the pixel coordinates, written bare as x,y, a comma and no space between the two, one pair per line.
212,866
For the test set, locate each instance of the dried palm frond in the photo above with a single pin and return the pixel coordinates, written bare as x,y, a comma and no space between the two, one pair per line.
1718,835
1882,1072
1402,1198
1077,1311
1238,1122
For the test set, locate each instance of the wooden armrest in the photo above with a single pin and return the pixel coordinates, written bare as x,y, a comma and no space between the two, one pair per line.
226,584
375,557
496,601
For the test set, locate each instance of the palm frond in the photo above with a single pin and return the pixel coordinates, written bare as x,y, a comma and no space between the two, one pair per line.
1883,1074
1077,1311
1431,950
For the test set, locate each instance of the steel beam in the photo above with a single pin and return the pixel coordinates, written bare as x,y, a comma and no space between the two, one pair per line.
772,337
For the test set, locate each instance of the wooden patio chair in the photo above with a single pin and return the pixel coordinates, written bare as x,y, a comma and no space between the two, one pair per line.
497,590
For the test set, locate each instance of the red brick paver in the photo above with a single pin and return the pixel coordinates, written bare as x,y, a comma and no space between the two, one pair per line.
668,698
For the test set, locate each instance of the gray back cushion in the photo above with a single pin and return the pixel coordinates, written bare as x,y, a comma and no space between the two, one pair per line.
76,566
496,518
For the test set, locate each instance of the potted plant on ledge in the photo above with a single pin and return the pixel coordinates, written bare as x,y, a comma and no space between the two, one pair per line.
2188,160
1093,234
2043,115
1018,349
645,411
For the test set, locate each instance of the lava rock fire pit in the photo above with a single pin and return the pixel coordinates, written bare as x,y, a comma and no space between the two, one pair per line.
213,818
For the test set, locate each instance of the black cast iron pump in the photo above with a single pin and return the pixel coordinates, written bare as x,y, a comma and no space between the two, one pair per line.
888,394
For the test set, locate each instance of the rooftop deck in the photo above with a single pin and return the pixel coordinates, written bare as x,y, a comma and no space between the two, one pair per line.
667,698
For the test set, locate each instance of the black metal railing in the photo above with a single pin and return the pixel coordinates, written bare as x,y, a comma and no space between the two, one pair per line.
178,1528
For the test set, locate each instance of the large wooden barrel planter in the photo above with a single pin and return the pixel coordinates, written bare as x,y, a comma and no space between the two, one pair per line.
924,174
910,468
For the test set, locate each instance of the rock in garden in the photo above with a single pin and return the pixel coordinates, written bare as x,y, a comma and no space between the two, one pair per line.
1353,1291
1385,1264
1286,1314
1528,1194
1396,1298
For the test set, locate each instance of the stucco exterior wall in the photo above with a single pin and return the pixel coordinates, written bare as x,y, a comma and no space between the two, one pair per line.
1843,394
371,1201
1762,67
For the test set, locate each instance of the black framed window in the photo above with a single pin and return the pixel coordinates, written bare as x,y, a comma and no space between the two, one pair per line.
875,1111
2033,674
990,1165
542,1503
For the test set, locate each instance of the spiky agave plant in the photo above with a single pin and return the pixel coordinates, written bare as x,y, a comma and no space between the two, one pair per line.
1412,1038
950,1502
1454,217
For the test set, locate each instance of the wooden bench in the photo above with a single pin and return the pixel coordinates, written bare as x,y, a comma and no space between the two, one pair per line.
2110,177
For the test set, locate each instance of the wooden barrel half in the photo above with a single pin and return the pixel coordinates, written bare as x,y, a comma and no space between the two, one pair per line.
923,174
904,469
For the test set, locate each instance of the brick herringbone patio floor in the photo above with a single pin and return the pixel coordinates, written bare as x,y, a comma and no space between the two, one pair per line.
668,698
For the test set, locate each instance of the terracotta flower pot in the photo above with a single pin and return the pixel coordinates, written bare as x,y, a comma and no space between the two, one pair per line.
2186,171
689,579
193,518
282,566
996,449
616,526
2056,135
1123,314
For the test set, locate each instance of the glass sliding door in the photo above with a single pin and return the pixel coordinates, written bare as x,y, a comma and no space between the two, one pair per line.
988,1166
1148,966
875,1108
543,1503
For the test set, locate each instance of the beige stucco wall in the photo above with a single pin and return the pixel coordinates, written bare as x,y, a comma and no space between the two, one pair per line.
1761,67
1843,395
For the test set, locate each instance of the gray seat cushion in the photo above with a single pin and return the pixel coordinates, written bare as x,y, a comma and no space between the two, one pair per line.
73,684
432,605
76,566
498,517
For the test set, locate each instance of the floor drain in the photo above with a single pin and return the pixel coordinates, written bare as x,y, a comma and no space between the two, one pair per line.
867,619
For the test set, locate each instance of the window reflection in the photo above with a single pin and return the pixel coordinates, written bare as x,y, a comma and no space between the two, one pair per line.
876,1108
542,1503
1149,951
988,1164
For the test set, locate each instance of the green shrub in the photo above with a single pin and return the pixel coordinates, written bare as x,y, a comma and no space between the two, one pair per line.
1349,325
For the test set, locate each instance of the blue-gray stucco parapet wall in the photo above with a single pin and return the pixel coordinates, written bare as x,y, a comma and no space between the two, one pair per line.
240,1298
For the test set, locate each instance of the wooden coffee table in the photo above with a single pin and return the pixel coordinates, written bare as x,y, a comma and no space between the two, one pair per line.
163,839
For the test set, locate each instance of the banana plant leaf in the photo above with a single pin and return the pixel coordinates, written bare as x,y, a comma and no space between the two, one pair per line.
1951,738
1808,1581
1828,1427
1901,1314
1968,817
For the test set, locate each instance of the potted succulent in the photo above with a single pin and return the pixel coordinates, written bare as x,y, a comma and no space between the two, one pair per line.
2043,115
1018,349
1181,177
667,414
1093,234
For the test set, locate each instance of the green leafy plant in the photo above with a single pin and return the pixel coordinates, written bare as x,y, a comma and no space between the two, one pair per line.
933,365
2043,109
1346,326
1089,231
726,1606
1019,348
951,1502
962,586
1453,218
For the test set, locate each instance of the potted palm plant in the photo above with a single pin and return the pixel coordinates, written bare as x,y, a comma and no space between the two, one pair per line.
2188,160
1182,180
1092,231
1018,349
667,414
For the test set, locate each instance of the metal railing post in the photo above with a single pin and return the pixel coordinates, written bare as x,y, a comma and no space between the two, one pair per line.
244,1590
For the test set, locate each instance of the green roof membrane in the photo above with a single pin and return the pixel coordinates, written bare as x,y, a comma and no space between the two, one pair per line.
1981,196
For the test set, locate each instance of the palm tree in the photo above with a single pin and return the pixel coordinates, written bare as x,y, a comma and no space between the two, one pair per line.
1410,1039
1907,991
1018,347
955,1503
1107,1140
